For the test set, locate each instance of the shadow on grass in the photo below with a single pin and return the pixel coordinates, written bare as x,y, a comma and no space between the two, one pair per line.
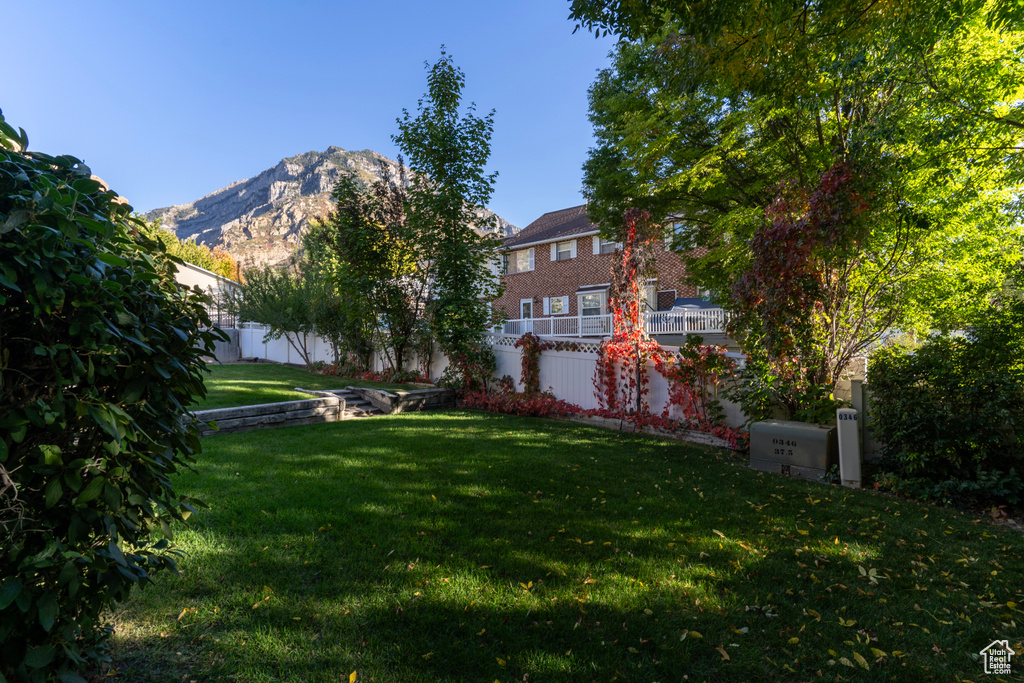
460,546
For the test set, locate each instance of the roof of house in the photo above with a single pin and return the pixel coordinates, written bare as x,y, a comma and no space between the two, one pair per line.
554,225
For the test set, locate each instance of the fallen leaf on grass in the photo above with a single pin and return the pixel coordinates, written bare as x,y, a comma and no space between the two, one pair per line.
725,655
860,660
352,677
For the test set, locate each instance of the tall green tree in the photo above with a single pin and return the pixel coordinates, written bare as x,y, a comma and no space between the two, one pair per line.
733,116
285,300
338,316
380,263
447,150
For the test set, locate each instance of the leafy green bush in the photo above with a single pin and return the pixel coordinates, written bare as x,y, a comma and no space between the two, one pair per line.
470,370
766,390
951,414
100,354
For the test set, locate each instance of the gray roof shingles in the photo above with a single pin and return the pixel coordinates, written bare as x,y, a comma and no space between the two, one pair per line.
554,225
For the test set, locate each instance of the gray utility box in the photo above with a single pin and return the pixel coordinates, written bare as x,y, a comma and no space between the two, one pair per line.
797,449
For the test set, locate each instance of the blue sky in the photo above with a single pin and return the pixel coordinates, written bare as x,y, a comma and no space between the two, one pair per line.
169,101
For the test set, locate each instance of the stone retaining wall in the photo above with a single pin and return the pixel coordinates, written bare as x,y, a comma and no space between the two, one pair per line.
245,418
407,401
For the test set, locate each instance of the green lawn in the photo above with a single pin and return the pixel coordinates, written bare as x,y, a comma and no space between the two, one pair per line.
247,384
465,546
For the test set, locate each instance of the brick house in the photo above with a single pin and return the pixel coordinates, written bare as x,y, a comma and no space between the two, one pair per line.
557,276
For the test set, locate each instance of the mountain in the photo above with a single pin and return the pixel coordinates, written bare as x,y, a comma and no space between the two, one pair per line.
262,219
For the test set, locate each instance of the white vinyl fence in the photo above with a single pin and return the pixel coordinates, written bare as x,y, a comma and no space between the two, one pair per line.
569,375
251,345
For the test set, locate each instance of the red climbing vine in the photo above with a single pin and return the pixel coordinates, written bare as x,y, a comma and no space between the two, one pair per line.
621,378
532,347
694,376
622,375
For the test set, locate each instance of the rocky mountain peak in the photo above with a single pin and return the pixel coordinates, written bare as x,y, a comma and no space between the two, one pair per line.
262,219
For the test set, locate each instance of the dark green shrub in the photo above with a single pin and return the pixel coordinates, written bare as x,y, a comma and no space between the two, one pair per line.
766,390
100,354
951,414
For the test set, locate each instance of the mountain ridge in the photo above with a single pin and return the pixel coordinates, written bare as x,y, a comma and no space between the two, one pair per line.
260,220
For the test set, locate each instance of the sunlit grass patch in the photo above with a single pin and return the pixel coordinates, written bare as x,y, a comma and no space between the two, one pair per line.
461,546
247,384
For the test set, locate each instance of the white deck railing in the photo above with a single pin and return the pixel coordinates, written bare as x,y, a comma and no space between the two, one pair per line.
696,321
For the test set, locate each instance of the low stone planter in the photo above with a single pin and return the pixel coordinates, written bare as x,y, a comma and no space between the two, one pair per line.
245,418
626,426
407,401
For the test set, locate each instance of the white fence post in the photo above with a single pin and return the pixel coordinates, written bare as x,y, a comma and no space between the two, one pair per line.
849,447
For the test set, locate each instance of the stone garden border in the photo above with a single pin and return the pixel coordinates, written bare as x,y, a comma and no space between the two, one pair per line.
407,401
261,416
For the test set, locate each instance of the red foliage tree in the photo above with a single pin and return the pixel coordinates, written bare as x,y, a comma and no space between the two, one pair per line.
803,307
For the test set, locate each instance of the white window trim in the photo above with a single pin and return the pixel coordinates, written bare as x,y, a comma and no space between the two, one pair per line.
651,302
598,241
563,300
554,249
526,301
672,231
513,261
604,301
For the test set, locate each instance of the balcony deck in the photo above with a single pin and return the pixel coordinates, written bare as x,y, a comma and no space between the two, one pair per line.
703,321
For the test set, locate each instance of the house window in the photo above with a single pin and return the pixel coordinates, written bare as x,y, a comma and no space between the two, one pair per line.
556,305
676,235
526,308
592,304
608,246
564,251
650,298
519,261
